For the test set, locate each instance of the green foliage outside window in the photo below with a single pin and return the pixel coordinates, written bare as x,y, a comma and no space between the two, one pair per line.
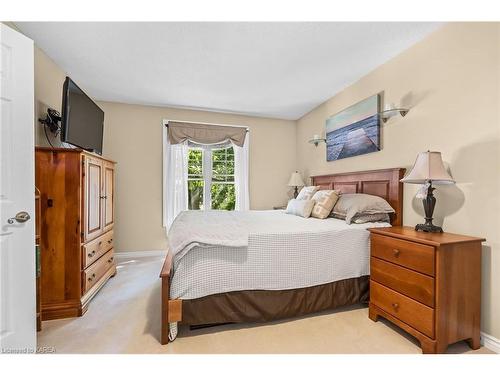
222,191
195,179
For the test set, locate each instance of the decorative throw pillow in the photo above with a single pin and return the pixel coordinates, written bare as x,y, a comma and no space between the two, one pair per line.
371,218
324,202
307,192
300,207
351,205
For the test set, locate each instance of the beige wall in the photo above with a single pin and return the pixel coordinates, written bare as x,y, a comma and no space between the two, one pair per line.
133,137
49,80
451,82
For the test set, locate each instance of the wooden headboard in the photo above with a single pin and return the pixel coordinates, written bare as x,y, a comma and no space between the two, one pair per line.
383,183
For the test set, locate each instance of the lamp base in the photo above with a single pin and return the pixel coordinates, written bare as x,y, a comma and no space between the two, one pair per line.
431,228
429,202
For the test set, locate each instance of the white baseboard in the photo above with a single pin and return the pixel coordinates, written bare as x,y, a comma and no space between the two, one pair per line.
139,254
490,342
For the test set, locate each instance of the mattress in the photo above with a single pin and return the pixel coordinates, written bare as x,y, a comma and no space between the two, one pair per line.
297,253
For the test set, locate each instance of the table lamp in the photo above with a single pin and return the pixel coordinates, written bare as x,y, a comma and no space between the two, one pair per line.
296,181
428,169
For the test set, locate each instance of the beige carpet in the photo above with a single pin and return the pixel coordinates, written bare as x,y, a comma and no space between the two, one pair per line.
125,318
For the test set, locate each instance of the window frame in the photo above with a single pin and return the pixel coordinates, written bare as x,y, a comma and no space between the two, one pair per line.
207,172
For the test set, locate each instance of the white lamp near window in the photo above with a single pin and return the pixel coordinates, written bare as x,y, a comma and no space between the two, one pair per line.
296,181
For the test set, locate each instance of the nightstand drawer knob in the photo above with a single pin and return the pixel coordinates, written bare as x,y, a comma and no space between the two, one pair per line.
395,305
396,253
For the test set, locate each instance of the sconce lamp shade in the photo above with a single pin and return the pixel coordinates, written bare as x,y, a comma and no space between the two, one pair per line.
428,167
296,179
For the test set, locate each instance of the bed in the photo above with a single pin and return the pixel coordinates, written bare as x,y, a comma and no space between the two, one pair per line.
258,266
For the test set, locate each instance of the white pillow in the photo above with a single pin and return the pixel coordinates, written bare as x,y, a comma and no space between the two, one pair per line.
300,207
307,192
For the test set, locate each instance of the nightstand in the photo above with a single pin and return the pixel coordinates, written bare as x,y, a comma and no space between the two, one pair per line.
428,284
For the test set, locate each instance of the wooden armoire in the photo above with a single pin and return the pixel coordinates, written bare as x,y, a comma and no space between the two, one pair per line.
77,217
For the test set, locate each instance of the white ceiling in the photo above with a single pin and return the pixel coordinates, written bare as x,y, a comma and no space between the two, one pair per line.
280,70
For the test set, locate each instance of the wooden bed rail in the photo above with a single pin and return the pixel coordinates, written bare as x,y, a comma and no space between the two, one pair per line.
171,310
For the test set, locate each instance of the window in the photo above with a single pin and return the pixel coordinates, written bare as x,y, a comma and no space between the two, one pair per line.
195,179
211,178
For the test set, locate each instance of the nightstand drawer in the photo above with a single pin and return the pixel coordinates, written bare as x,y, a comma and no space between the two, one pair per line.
408,254
413,284
409,311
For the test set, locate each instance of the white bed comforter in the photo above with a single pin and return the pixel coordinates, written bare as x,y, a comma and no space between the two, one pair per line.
220,251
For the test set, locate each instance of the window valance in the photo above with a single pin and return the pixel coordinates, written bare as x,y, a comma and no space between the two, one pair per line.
179,132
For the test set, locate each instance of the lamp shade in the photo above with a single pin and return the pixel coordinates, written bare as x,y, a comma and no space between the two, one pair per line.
428,167
296,179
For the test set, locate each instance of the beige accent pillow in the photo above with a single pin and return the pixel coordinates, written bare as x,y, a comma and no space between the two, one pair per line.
300,207
307,192
351,205
324,202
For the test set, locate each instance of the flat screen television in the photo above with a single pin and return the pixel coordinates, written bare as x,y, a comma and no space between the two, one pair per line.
82,119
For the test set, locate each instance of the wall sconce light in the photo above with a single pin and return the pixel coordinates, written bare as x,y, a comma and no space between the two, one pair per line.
317,140
390,110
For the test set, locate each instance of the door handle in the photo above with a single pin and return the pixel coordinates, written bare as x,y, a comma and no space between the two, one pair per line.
21,217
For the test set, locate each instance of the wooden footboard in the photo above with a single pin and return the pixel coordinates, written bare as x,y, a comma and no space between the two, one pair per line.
171,310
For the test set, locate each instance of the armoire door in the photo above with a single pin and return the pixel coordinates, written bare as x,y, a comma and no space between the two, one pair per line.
93,198
109,186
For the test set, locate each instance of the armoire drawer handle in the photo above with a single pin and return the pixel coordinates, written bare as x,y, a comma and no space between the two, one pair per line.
90,255
396,253
91,277
109,241
110,260
100,243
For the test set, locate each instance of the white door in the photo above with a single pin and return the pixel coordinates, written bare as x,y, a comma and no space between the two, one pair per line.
17,234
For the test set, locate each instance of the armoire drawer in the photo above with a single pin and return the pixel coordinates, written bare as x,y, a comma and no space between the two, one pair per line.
94,249
92,274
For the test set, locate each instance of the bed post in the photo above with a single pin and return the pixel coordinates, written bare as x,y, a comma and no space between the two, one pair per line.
165,295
